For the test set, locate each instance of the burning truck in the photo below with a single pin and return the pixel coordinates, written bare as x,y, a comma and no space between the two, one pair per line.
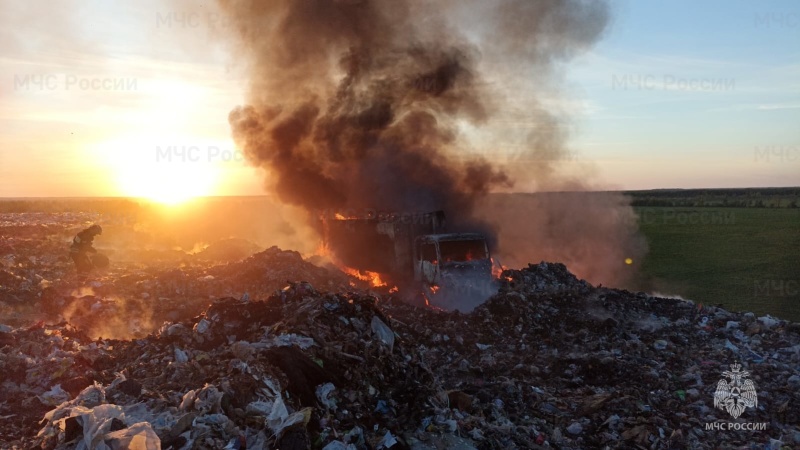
415,251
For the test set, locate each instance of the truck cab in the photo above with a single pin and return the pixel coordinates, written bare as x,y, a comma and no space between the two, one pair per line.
452,260
413,249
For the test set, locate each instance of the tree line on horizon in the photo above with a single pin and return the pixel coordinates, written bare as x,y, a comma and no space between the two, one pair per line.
720,198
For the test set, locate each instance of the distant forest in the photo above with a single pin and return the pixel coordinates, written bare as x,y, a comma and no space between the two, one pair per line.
731,198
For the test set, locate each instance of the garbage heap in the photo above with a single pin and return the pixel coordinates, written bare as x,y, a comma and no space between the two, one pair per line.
145,272
140,299
548,362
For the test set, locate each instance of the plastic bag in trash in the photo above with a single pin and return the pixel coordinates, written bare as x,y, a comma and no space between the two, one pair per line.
181,356
384,333
387,441
139,436
55,396
323,392
279,418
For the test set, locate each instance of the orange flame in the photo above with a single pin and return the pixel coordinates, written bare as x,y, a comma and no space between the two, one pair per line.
497,269
373,277
428,301
323,250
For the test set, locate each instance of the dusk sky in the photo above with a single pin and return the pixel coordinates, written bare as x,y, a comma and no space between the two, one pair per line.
96,96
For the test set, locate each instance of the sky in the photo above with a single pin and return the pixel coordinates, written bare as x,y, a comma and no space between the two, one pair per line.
132,99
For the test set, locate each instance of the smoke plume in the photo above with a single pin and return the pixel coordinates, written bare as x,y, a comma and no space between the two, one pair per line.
370,104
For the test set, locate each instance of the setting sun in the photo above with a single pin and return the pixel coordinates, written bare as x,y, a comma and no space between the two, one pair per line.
159,170
176,188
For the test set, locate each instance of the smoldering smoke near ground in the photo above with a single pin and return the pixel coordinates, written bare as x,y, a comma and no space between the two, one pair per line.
357,104
592,233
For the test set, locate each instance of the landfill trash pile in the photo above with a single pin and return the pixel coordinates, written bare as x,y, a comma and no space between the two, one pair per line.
548,362
262,273
35,264
33,246
145,294
174,294
231,249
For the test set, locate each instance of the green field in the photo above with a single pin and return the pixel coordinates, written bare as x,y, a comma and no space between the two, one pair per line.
747,259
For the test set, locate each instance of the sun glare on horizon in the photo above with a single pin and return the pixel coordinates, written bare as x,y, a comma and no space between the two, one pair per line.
166,174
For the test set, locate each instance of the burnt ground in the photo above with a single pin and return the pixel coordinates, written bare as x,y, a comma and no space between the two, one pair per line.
166,349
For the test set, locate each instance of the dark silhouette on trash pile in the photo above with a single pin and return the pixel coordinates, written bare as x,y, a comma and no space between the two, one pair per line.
81,248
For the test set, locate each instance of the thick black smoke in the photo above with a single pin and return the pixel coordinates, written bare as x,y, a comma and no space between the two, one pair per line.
361,104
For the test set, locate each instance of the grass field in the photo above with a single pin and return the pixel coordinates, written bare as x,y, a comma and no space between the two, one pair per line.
747,259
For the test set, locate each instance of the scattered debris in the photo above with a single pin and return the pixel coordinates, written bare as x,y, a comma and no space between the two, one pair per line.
549,361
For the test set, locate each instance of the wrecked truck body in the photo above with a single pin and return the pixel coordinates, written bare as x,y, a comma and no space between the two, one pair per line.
411,248
455,261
